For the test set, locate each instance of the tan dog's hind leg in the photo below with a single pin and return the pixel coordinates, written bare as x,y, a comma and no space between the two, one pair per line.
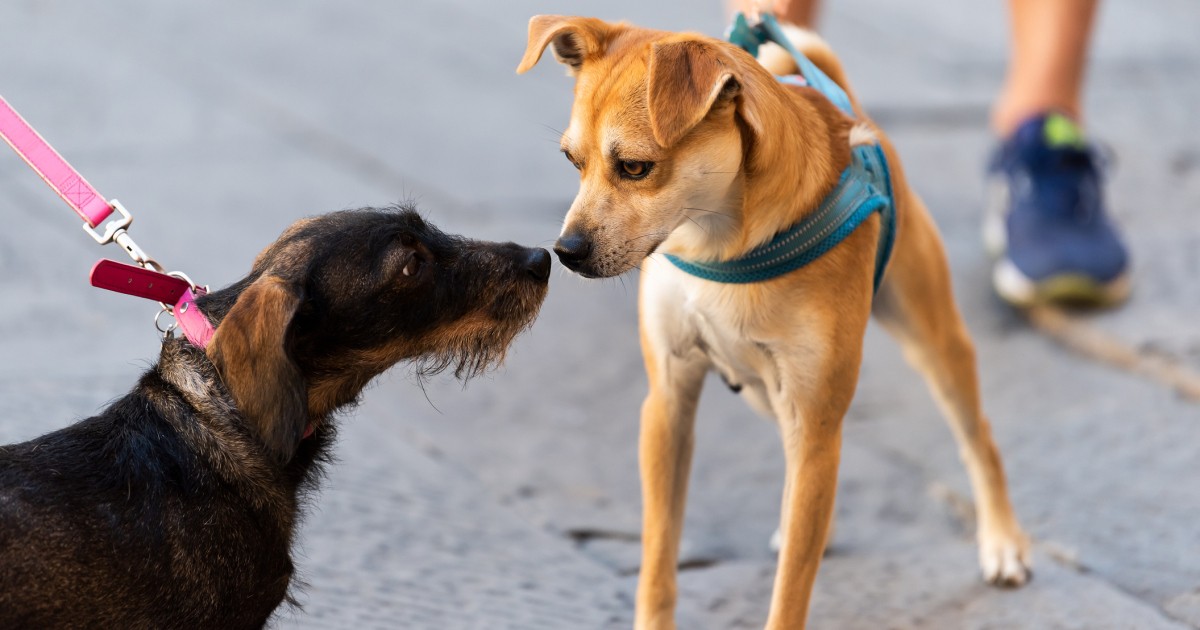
664,457
916,305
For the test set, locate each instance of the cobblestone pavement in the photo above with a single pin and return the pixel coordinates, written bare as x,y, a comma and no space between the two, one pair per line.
513,503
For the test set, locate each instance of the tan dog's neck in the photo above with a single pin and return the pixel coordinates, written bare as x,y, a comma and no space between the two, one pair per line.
793,153
790,166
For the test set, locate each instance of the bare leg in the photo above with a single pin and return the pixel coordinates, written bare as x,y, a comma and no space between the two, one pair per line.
1047,60
798,12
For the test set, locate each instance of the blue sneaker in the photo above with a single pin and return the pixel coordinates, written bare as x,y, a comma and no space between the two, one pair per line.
1046,222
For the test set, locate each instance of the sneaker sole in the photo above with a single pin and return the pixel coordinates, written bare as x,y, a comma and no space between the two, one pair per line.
1068,289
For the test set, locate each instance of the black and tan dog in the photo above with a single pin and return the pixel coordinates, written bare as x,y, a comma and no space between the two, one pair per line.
176,506
688,146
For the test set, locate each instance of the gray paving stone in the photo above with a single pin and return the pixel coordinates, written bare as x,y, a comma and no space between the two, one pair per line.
402,538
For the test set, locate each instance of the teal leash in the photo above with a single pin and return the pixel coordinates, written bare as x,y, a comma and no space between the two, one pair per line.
749,38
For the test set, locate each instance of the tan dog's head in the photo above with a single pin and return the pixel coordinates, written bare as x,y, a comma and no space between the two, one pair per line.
657,131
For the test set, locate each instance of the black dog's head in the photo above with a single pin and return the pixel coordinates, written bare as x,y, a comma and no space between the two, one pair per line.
340,298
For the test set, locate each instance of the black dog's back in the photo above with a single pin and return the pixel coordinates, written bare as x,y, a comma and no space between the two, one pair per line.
122,521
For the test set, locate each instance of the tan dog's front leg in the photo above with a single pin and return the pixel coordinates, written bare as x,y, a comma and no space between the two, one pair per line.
813,451
665,456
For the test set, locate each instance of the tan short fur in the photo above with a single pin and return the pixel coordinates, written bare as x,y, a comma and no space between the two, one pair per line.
737,157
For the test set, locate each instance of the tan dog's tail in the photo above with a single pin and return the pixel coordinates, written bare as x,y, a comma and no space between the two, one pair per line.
777,60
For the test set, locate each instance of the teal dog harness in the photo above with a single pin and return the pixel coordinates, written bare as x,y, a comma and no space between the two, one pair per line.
864,188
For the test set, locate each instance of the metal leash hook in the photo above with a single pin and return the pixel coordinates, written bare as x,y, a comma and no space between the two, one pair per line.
116,231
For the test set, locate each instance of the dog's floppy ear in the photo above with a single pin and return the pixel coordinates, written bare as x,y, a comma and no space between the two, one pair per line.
249,350
574,40
686,78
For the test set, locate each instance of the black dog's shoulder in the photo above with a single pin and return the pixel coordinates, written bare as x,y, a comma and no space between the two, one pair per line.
134,448
110,505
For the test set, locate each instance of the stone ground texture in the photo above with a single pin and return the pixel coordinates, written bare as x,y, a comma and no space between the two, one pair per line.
513,502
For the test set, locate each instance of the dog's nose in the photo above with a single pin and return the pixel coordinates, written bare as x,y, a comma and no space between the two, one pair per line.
538,264
573,249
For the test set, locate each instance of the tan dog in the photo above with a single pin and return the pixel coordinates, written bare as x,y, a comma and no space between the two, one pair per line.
688,146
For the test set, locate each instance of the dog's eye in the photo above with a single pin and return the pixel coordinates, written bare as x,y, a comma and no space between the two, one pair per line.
412,267
635,170
571,159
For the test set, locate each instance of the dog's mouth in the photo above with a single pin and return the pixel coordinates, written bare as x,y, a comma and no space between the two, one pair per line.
519,305
611,263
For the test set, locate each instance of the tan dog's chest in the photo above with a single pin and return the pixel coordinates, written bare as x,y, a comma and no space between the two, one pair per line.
756,350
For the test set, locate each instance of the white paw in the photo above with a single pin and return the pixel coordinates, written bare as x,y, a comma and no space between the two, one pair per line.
1005,559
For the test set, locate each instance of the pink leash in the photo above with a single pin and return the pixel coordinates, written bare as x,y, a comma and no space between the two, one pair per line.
175,291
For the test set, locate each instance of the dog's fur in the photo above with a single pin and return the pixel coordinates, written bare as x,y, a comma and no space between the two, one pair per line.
733,157
176,506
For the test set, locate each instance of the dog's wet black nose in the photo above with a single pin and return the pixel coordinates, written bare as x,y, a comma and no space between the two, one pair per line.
537,263
573,249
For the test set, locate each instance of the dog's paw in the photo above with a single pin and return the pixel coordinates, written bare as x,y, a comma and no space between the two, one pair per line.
1005,559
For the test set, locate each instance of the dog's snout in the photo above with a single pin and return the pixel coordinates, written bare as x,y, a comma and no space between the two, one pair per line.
573,249
537,263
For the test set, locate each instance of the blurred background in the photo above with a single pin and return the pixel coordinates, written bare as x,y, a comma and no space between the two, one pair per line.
513,502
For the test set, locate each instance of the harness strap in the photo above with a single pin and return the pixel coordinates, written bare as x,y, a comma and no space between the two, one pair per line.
865,187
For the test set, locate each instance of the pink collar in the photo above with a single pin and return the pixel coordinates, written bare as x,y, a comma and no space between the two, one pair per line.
165,289
170,290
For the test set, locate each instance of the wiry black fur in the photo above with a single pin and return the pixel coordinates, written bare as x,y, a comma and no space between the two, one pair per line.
167,510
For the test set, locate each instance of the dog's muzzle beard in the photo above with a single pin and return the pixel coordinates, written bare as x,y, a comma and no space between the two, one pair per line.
506,299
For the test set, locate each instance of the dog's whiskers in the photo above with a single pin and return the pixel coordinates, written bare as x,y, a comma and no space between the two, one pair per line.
706,230
712,212
560,132
660,233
